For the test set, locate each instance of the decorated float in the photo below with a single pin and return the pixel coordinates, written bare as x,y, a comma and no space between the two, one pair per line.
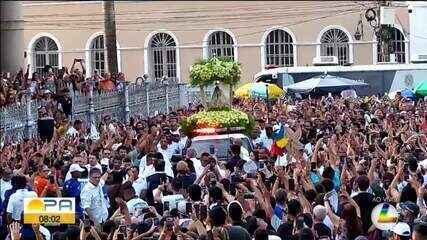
218,115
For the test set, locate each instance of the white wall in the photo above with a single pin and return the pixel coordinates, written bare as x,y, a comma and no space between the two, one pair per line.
418,31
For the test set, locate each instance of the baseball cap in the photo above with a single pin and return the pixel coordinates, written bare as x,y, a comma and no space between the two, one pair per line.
45,168
411,207
76,168
402,229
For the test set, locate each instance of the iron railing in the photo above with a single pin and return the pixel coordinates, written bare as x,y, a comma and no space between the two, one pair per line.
19,121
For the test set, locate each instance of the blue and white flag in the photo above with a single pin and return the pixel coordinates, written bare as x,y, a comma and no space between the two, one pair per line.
278,215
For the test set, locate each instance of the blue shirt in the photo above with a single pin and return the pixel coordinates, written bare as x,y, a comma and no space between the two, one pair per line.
315,178
72,188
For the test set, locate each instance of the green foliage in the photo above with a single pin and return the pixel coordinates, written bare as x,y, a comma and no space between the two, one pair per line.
207,72
223,117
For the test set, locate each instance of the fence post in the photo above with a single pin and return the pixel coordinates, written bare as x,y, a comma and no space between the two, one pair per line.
148,98
184,95
30,122
91,106
126,95
73,101
166,83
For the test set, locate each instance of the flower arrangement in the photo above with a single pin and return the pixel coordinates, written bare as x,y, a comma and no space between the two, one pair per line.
218,118
213,71
207,72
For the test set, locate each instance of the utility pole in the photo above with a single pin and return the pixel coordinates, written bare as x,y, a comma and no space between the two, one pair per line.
110,36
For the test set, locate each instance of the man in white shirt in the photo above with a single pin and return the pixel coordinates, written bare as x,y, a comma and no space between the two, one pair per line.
92,197
197,164
5,183
164,148
146,167
139,184
15,207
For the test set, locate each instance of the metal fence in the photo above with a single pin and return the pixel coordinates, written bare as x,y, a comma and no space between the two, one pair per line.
19,121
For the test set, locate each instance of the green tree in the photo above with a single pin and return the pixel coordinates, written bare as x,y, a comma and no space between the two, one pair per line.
207,72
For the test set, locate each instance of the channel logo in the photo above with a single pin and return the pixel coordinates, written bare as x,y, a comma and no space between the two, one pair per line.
384,216
49,211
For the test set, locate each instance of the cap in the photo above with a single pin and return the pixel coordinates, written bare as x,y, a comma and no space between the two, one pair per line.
76,168
45,168
402,229
411,207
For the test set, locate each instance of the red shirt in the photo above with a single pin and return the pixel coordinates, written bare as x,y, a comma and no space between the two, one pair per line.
40,183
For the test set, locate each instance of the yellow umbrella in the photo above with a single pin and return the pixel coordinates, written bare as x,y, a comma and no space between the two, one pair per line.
259,90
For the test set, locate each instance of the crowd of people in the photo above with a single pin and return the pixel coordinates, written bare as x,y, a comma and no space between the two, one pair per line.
144,180
49,83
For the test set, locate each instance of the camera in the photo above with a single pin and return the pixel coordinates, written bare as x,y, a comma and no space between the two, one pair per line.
166,206
188,208
51,179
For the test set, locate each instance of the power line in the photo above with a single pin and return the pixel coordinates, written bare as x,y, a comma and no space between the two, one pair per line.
199,19
179,29
209,8
261,31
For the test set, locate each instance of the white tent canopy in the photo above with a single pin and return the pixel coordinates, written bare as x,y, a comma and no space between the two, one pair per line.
325,83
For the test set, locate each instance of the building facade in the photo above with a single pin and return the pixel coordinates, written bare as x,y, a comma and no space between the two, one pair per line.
163,39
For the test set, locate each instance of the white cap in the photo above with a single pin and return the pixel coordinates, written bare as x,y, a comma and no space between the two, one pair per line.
402,229
273,237
75,167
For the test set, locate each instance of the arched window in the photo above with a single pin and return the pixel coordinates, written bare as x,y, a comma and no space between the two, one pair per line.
45,53
220,44
395,46
97,54
279,50
335,42
163,56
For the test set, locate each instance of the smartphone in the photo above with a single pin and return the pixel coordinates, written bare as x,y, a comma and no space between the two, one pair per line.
211,149
122,229
169,224
313,166
120,236
291,184
261,165
166,206
188,208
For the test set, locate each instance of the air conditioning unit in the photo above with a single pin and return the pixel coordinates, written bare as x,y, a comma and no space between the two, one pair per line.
419,58
325,60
